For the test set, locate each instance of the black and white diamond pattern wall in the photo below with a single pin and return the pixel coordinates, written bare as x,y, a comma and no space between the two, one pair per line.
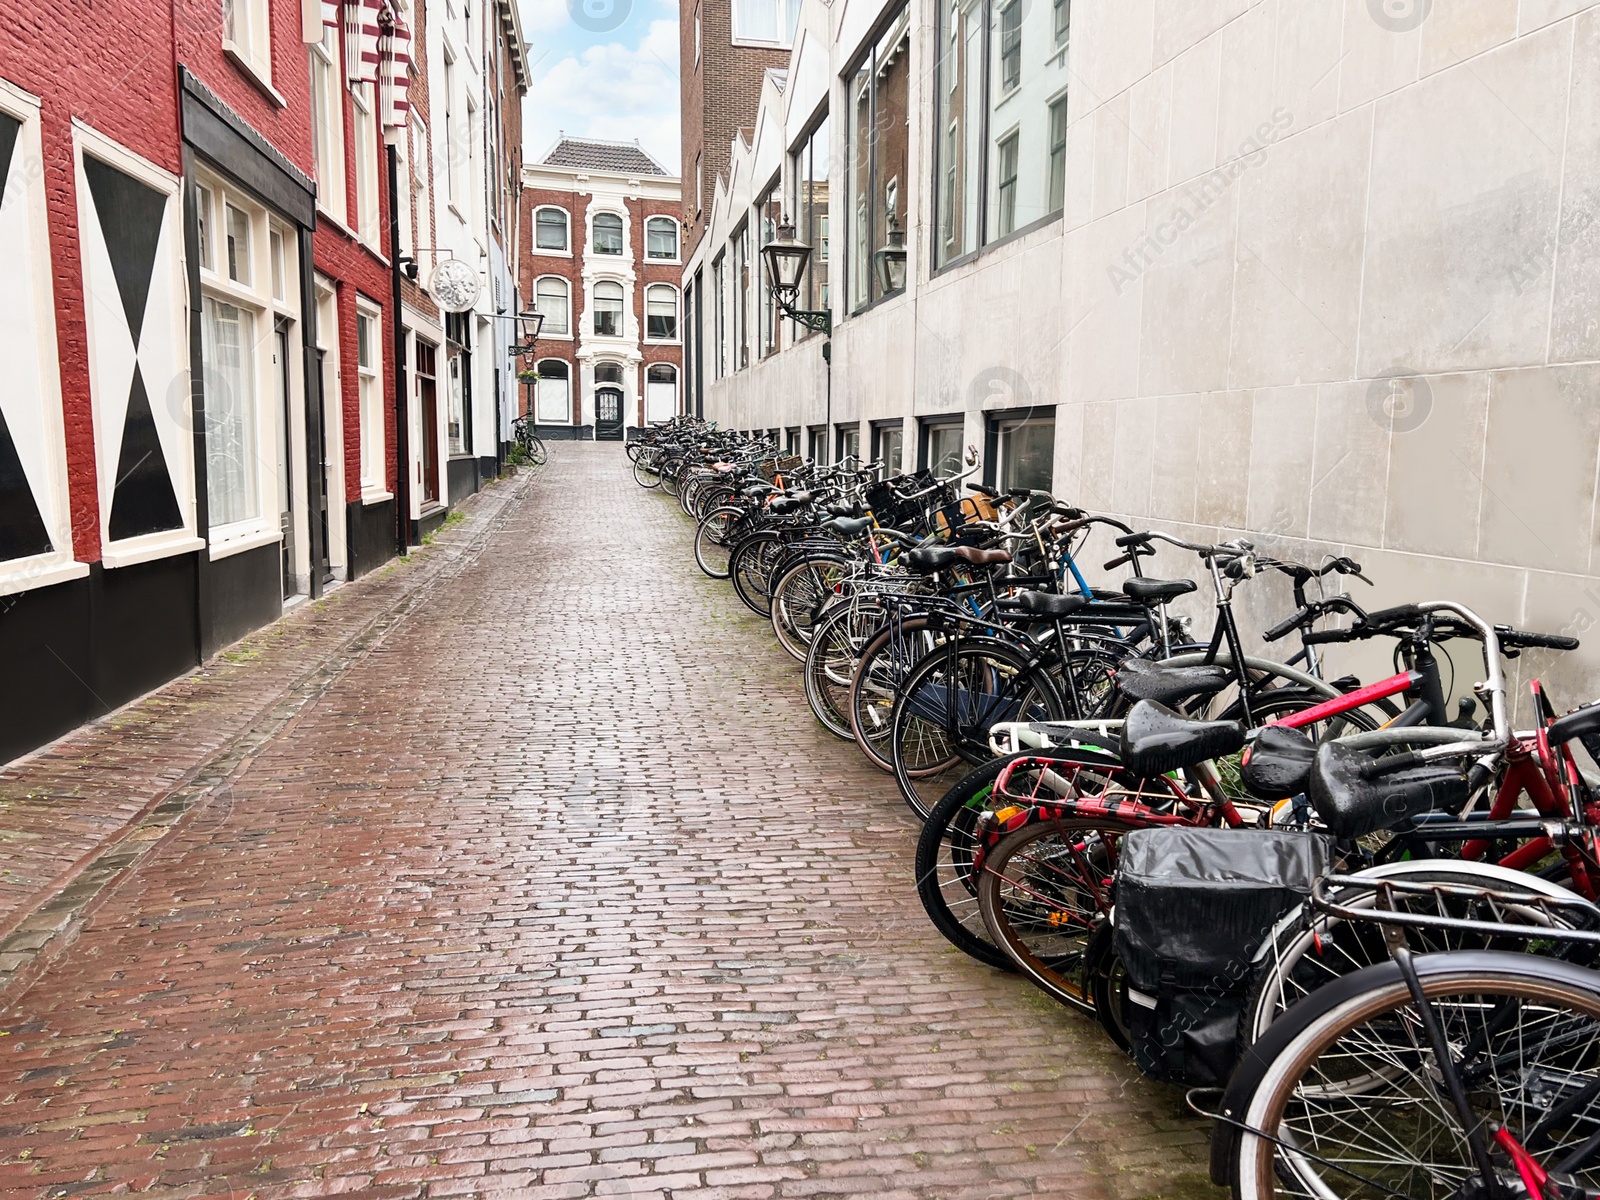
130,237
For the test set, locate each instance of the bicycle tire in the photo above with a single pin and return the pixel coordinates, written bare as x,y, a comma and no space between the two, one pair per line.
645,473
749,567
711,537
885,660
1472,995
799,598
535,449
967,689
830,663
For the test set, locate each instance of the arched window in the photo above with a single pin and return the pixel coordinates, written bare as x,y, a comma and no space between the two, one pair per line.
661,312
553,298
660,392
550,229
608,373
554,403
661,238
607,309
607,233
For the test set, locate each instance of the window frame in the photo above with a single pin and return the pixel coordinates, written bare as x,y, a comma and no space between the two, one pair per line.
566,380
986,141
675,338
373,452
739,248
788,24
566,231
998,425
677,240
327,124
253,57
927,427
621,310
867,58
880,430
622,233
846,432
809,230
565,334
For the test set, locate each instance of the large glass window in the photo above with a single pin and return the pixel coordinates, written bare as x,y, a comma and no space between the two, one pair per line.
661,312
1027,453
608,309
941,451
607,233
552,298
849,442
661,238
719,317
367,223
550,229
887,439
660,393
227,355
768,213
741,298
811,214
1001,120
817,443
879,156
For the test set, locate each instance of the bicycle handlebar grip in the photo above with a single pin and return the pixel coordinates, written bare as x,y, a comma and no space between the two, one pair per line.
1133,539
1400,614
1546,641
1392,764
1118,562
1323,637
1285,625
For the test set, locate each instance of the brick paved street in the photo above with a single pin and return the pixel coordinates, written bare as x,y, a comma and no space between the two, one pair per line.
519,870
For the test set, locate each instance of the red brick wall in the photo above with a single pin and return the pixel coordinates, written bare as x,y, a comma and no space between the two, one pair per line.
110,66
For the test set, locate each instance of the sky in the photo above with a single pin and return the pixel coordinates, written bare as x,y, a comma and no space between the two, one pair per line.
602,69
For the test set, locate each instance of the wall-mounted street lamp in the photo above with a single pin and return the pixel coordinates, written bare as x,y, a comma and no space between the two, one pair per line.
890,260
786,266
528,325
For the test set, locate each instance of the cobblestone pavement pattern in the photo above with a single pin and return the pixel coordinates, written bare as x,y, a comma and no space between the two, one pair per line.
542,884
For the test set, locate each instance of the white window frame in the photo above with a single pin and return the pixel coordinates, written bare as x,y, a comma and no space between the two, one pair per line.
677,314
677,240
368,223
788,15
30,255
566,220
254,54
540,393
566,286
252,295
374,447
592,250
421,184
327,125
594,308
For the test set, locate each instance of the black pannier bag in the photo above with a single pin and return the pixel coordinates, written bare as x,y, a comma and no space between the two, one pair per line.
1193,907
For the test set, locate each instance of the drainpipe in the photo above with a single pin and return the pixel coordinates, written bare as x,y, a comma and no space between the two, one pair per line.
402,427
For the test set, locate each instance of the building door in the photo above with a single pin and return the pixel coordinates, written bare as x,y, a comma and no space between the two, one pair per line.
323,567
280,362
608,414
428,413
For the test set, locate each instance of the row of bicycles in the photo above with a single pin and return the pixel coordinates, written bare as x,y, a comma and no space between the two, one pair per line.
1356,918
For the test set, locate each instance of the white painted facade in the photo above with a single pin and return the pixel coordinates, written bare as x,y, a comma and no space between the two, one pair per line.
1327,275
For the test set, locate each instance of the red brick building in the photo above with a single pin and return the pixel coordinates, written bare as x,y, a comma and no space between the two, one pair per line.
203,413
602,260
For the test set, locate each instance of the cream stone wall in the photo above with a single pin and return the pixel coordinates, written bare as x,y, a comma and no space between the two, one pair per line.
1328,276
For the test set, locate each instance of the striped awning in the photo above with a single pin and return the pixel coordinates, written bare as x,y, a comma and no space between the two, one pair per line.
394,72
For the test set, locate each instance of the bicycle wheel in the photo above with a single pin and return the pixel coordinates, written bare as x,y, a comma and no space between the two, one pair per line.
645,472
1043,892
836,641
1352,1092
671,476
711,548
946,851
942,714
537,454
885,661
750,568
1306,952
799,598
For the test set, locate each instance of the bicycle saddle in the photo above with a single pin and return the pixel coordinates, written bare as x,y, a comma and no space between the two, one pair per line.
1278,763
1353,805
848,527
1585,720
1047,604
756,490
783,506
1156,740
1155,590
1141,679
940,558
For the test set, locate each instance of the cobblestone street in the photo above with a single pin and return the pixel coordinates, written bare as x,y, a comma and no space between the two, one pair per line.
519,869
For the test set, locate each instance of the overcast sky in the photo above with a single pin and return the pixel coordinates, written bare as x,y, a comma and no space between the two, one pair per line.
603,69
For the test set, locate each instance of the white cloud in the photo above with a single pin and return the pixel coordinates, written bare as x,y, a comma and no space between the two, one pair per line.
610,90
